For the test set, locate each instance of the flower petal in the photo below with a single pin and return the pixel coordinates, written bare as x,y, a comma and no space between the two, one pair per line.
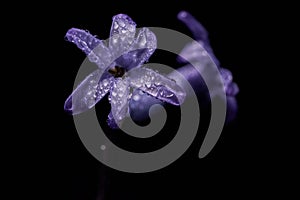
230,87
121,34
140,104
119,99
88,93
140,51
111,121
199,33
156,85
94,48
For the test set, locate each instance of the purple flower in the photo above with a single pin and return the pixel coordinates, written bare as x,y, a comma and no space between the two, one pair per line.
120,70
202,57
193,53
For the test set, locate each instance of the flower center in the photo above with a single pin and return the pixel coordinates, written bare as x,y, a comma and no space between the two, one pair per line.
117,71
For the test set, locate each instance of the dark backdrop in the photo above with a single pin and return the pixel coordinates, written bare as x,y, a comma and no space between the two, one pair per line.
230,166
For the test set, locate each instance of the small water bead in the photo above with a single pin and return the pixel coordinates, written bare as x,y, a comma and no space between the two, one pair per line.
113,93
116,25
121,23
105,82
136,97
148,84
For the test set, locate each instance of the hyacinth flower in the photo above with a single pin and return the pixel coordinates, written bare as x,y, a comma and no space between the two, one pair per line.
202,57
196,55
120,72
192,52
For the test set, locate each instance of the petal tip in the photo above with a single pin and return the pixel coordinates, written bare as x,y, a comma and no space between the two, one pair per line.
68,106
182,14
123,17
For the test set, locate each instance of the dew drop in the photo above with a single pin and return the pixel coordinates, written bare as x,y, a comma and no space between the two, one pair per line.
105,83
121,23
136,97
114,93
161,93
116,25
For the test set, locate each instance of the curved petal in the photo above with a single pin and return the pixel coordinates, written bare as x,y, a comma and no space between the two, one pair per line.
197,29
157,85
94,48
119,99
111,121
88,93
121,34
230,87
199,32
140,104
195,52
140,51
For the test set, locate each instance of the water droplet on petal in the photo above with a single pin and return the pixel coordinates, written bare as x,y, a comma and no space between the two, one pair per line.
169,95
121,23
105,83
136,97
131,28
161,93
148,84
116,25
114,93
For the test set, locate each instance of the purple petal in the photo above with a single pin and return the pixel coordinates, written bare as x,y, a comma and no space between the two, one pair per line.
94,48
119,99
201,56
156,85
111,121
83,39
121,34
140,51
194,52
199,32
88,93
140,103
230,87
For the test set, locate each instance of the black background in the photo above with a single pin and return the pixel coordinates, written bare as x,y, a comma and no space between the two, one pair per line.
235,165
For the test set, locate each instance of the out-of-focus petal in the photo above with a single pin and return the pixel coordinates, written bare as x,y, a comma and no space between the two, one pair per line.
230,87
199,32
88,93
140,103
195,52
197,29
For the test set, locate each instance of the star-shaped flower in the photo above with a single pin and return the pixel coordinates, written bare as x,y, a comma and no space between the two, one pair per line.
120,70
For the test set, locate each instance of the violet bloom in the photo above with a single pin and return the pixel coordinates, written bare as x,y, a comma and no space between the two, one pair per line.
192,52
120,70
204,58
